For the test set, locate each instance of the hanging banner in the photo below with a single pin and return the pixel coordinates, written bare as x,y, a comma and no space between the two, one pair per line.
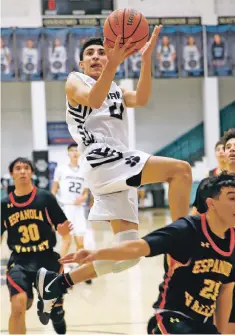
77,21
219,59
165,64
77,38
190,51
58,133
231,47
121,70
40,160
56,65
29,54
8,72
134,65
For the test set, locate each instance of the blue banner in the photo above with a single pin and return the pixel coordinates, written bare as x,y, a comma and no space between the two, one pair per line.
165,62
58,133
134,65
219,51
190,51
231,39
29,54
56,64
8,70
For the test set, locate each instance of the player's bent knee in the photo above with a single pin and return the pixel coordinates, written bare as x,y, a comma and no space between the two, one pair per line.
127,235
57,314
18,304
103,267
184,169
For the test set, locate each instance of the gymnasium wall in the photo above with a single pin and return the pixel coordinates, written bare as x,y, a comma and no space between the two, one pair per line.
175,107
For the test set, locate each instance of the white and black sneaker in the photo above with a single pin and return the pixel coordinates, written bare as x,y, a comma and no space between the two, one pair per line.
49,289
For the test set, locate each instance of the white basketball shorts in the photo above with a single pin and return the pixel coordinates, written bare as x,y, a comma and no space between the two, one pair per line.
76,215
107,170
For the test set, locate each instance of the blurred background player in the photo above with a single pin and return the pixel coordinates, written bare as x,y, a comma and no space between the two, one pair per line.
220,156
30,217
70,188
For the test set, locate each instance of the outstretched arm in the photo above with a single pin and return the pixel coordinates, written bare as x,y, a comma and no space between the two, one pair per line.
173,239
79,93
123,251
140,97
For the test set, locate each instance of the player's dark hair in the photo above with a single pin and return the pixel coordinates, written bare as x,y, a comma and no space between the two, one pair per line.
20,160
72,145
220,142
91,41
228,135
213,187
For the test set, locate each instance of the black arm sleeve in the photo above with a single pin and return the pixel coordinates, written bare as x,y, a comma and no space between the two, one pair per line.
199,201
177,239
55,212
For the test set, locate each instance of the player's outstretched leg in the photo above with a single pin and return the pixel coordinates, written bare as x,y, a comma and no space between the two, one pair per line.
47,296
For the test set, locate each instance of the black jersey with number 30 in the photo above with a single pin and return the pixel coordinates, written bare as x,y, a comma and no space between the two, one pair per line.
199,262
31,221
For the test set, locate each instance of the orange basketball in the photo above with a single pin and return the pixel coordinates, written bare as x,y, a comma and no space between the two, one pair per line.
127,23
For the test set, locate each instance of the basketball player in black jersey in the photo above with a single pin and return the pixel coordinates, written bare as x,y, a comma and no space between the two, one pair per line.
201,258
30,217
219,152
200,206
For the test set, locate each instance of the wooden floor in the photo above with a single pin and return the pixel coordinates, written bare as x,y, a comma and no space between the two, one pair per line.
113,304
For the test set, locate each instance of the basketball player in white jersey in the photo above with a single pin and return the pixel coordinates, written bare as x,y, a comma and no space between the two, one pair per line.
97,120
70,188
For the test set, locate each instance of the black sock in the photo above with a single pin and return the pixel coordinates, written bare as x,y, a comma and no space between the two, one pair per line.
65,281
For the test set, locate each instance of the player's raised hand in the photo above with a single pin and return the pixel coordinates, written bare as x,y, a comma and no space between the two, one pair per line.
81,257
148,49
118,54
65,228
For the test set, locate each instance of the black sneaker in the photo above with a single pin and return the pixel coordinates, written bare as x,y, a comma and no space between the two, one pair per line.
60,327
48,290
43,317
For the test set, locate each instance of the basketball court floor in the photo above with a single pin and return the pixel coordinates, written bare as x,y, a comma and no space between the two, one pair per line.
113,304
